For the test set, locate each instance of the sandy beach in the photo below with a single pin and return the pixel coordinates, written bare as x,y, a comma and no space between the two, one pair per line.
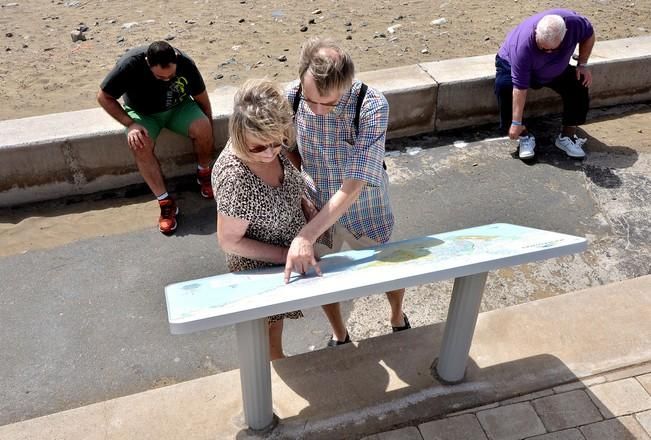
43,71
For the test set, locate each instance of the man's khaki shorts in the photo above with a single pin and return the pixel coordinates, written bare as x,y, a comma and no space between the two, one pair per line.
340,237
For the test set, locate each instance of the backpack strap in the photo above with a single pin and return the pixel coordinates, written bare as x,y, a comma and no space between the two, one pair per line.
297,99
358,109
360,101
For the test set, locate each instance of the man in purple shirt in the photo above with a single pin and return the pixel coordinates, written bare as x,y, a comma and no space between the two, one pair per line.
537,54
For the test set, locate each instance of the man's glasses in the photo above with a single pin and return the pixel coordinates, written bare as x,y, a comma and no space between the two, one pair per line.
255,149
323,104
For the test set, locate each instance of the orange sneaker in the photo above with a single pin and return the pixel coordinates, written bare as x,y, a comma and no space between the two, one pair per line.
168,212
205,186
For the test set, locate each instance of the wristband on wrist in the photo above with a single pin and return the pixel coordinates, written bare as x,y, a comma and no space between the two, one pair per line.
516,123
582,65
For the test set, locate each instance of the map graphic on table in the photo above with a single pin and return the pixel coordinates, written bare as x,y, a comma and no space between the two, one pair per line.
236,297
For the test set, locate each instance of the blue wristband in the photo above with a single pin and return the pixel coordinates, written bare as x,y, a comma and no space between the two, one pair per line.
518,123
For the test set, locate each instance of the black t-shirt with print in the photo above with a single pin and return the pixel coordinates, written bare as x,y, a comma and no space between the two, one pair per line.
133,78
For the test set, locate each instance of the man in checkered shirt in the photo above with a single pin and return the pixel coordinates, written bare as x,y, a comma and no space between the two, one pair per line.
342,163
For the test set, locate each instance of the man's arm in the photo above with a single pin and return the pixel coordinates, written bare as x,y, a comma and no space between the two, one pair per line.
300,256
137,135
585,49
519,98
203,101
113,108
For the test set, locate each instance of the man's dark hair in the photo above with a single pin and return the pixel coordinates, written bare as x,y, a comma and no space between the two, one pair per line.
160,53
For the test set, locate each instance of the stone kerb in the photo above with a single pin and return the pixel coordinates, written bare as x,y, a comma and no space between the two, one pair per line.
411,94
465,85
85,151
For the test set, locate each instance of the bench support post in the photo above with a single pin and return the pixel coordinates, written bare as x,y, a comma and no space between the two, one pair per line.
255,373
459,327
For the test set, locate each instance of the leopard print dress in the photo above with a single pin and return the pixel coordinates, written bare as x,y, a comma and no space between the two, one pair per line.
274,214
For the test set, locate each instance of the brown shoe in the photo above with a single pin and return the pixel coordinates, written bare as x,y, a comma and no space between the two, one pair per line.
168,212
205,187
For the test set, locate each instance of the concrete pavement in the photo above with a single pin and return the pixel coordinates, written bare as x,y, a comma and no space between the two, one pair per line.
101,330
555,366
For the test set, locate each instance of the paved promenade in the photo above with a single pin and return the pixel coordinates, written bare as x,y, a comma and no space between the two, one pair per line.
74,369
613,406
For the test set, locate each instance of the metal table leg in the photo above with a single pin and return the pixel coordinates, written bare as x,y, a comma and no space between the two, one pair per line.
255,373
459,327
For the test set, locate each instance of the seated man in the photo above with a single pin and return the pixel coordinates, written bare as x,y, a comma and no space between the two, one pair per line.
536,54
162,87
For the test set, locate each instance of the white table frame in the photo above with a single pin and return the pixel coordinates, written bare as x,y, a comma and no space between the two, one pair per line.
469,282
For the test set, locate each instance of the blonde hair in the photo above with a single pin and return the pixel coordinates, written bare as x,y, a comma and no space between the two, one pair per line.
329,64
550,29
261,110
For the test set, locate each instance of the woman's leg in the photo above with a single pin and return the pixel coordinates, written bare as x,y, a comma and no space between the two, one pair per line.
276,340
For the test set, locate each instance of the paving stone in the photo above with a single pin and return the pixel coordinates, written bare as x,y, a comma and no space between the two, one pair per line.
646,382
569,387
629,372
568,434
619,398
621,428
527,397
464,427
408,433
511,422
644,419
475,409
594,380
566,410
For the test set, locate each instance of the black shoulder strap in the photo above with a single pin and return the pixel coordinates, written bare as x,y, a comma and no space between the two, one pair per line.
358,109
297,99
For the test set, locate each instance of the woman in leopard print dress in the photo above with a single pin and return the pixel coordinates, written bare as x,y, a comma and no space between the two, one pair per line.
260,199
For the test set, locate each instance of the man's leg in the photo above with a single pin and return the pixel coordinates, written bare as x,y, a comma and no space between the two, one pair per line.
149,168
333,311
576,101
145,158
188,120
398,318
504,93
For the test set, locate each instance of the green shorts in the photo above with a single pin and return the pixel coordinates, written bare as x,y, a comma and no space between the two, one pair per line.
178,118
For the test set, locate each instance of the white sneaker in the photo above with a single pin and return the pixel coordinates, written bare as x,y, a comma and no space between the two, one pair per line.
571,146
527,146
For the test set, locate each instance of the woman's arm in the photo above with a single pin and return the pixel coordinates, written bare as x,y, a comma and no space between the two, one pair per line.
230,236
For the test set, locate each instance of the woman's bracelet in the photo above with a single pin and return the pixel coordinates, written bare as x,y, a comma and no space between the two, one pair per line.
517,123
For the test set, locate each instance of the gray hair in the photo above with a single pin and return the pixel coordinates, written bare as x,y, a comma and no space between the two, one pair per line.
329,64
550,29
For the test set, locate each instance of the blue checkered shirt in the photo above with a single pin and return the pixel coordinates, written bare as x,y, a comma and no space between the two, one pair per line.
331,151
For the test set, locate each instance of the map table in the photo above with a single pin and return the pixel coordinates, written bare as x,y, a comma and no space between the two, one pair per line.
247,298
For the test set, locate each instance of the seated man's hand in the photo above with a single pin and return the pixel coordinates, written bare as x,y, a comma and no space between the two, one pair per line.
137,136
515,131
584,72
300,257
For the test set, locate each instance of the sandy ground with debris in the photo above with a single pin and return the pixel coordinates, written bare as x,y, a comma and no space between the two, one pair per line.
43,71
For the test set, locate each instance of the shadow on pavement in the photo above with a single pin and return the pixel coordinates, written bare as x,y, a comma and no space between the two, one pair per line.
384,383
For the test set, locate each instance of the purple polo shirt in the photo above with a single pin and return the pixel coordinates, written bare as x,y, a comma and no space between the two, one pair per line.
532,66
